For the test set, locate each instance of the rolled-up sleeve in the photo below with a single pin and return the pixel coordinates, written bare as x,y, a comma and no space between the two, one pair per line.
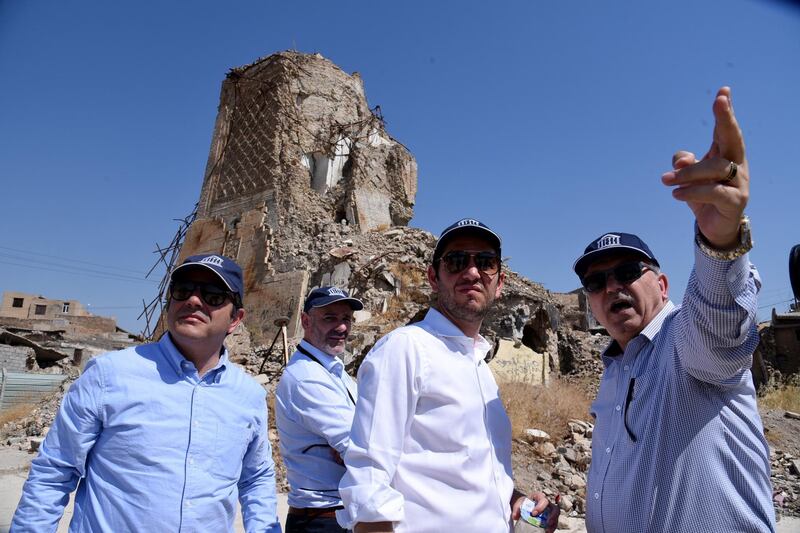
718,321
61,462
257,482
389,382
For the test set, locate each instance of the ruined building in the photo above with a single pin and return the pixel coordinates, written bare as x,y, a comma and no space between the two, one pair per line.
295,149
43,334
304,187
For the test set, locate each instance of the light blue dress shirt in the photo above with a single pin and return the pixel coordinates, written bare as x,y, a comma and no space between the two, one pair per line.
678,443
313,413
155,448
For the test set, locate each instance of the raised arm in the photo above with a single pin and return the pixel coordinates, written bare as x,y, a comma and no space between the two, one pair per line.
717,187
721,297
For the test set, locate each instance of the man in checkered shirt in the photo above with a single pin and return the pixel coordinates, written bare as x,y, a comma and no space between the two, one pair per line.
678,443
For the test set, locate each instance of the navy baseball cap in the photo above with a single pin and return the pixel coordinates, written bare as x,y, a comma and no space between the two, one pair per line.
465,226
226,270
610,244
327,295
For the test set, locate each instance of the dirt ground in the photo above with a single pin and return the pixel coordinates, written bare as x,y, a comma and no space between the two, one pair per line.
14,465
531,472
782,433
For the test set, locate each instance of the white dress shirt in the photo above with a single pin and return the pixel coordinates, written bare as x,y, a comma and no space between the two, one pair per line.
430,445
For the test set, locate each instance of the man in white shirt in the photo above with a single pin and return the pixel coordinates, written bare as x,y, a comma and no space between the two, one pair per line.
430,446
314,406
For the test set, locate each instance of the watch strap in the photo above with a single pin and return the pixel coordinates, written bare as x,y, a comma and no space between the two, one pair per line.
744,246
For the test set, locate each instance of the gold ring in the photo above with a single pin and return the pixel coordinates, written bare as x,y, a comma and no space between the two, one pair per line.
733,169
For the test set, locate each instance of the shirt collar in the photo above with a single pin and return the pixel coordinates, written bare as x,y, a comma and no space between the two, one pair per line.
330,362
649,332
441,325
178,361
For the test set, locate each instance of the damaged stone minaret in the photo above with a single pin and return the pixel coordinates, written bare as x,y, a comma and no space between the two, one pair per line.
296,149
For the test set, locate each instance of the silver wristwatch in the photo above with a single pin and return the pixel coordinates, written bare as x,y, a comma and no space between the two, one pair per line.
744,246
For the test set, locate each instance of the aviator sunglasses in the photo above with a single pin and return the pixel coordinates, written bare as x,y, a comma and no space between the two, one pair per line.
209,293
624,273
458,260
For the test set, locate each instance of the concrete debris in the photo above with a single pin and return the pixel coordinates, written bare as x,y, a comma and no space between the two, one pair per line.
38,421
565,503
536,435
342,252
560,469
786,482
515,362
777,357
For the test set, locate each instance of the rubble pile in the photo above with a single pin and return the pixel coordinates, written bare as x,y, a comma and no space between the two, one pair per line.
555,467
27,431
387,270
579,355
50,348
786,482
781,429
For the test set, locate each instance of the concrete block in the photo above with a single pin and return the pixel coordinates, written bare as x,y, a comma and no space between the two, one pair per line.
518,363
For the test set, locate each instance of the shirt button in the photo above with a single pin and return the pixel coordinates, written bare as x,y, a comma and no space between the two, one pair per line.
619,407
627,367
596,495
197,422
189,503
608,450
191,460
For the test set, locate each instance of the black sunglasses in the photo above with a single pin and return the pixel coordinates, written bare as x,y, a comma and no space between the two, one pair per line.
624,273
458,260
210,293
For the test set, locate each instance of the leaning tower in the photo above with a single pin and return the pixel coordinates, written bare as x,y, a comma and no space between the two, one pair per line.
295,149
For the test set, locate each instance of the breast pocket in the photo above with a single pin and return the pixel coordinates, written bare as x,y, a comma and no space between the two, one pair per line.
638,406
231,443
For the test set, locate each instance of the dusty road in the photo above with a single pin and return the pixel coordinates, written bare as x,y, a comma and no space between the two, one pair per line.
14,470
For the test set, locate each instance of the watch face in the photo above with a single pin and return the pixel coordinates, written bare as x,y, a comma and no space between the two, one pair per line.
746,237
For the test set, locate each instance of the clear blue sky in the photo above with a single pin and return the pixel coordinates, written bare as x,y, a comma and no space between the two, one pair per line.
550,121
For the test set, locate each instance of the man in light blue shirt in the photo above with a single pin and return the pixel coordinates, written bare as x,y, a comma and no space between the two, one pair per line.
163,436
678,443
314,406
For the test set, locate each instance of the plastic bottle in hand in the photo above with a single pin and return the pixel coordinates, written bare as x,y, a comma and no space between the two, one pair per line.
530,523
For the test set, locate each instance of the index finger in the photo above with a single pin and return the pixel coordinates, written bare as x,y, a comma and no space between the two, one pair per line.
727,134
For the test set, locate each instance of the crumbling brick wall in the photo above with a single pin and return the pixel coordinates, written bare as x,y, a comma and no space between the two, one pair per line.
296,149
14,358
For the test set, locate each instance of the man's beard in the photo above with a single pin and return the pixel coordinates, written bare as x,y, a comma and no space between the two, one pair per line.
467,313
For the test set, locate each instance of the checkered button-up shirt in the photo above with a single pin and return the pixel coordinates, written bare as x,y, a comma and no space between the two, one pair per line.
678,443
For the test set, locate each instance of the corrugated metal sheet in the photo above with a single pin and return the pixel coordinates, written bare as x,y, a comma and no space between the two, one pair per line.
24,387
